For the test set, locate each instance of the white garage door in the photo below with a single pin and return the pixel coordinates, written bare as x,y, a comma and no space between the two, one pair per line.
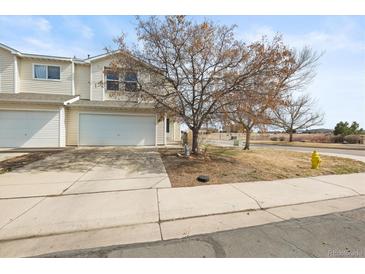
106,129
29,128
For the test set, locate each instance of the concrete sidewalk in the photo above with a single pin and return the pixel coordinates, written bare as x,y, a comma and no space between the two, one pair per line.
33,226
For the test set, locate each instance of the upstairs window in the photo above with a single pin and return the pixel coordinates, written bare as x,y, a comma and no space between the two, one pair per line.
130,81
112,81
45,72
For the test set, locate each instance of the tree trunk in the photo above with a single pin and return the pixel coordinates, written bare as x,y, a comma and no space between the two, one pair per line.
290,136
195,145
248,137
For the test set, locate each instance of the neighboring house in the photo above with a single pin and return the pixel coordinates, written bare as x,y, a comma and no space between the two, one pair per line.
48,101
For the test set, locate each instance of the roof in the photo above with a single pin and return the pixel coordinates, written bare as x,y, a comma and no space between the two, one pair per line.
37,98
40,56
113,104
70,59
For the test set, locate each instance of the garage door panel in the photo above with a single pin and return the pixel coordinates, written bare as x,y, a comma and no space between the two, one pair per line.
105,129
29,128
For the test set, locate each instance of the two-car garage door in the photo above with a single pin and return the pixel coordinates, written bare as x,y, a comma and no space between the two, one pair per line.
116,129
29,128
22,128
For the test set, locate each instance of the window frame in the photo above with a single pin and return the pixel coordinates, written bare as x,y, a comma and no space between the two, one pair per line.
128,82
45,65
120,82
106,82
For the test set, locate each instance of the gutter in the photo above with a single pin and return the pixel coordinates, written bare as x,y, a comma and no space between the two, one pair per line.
69,102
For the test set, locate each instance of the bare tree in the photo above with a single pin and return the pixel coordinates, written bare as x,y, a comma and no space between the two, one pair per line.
297,113
268,91
195,66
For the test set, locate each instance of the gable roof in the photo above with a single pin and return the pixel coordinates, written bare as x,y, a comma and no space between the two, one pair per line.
75,60
39,56
107,54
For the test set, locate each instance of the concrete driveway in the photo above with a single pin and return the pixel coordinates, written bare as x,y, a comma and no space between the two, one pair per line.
87,170
82,189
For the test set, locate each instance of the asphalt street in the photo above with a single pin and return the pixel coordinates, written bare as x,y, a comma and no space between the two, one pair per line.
333,235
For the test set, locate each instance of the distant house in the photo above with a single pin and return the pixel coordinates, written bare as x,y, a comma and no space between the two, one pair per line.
318,130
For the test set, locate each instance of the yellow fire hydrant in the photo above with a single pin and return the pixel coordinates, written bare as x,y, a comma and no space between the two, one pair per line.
316,160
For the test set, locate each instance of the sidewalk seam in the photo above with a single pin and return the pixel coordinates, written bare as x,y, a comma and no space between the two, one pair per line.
24,212
79,178
333,184
158,210
247,195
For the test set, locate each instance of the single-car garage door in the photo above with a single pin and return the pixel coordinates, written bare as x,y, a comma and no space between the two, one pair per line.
110,129
29,128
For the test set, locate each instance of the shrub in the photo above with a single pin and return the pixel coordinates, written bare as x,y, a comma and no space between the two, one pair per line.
274,138
337,139
282,138
353,139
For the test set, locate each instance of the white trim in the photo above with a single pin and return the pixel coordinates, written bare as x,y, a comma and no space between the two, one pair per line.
156,129
15,74
104,82
29,109
61,127
117,113
68,102
46,79
100,56
72,78
164,129
91,81
46,57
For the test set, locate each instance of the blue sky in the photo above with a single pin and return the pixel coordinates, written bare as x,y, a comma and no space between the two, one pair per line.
339,86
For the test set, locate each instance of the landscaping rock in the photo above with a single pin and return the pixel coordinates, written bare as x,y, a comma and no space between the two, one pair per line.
203,178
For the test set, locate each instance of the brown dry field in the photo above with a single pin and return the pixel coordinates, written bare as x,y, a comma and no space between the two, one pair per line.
233,165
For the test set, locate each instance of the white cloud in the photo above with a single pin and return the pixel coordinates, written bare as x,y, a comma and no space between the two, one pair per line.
43,24
86,31
76,25
333,35
27,22
37,43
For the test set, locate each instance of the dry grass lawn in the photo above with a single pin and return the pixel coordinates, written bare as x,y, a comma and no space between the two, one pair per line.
232,165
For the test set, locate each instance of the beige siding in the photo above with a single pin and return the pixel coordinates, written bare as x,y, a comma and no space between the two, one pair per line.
160,132
72,121
97,78
6,71
177,132
28,84
82,81
72,127
62,127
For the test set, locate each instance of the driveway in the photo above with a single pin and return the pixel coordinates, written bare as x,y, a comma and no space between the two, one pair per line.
83,189
86,170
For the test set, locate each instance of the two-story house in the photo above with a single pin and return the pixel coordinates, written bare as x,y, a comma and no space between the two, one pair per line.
49,101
